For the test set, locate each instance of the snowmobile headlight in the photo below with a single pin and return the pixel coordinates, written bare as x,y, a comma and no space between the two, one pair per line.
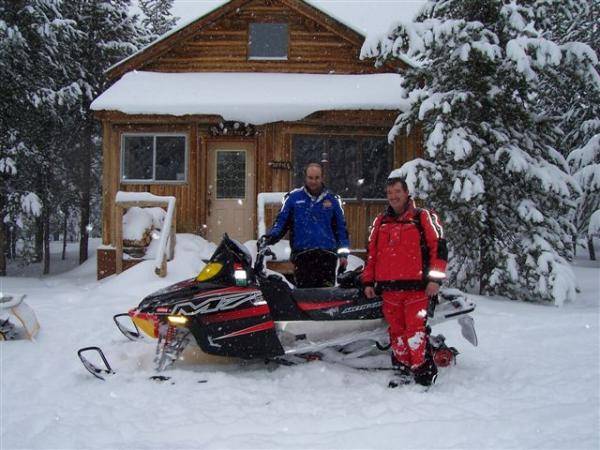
210,270
177,320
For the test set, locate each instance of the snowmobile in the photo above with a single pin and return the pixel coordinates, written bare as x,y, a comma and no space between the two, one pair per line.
12,305
236,309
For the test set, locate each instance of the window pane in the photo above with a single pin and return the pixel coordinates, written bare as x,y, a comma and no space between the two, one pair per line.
306,149
350,160
376,166
268,40
343,171
231,174
137,157
170,158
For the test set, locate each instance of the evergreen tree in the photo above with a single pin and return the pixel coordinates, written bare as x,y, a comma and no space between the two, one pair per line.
158,19
30,90
107,33
472,83
575,99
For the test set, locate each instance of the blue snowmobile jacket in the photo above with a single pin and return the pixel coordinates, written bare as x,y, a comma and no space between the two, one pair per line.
313,222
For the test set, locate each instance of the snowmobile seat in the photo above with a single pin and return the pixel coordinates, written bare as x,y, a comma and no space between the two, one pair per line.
319,298
351,279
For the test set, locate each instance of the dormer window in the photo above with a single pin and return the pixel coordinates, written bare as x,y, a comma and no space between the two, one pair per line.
268,41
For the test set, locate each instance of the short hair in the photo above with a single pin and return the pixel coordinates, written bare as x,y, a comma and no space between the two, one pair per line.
392,181
313,164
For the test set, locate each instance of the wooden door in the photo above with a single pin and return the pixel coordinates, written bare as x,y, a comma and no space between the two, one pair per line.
231,202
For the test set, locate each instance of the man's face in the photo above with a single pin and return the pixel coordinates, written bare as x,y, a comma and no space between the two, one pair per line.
314,179
397,196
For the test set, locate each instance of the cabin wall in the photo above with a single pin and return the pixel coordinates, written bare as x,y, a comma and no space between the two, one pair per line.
273,143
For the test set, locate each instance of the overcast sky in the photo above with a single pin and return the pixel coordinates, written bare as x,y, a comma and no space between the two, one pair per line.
366,16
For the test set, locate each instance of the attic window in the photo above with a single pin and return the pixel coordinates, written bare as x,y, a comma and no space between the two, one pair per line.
268,41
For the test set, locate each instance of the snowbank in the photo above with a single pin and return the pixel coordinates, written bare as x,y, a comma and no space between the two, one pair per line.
531,383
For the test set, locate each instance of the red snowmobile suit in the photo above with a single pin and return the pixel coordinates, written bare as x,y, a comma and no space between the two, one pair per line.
406,251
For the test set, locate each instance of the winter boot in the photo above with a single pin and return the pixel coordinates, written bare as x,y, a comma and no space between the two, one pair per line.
402,374
426,373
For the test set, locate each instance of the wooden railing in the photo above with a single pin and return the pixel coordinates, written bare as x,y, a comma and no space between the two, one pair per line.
126,200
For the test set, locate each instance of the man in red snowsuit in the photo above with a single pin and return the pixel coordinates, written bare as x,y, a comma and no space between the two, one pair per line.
406,263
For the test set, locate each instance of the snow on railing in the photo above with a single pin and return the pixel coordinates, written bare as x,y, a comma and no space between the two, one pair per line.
265,198
128,199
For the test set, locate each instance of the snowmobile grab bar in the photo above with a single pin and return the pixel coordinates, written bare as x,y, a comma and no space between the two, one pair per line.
129,334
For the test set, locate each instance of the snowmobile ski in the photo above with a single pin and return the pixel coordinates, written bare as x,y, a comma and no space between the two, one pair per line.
98,372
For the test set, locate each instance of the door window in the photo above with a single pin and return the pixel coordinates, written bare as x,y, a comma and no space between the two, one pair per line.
231,174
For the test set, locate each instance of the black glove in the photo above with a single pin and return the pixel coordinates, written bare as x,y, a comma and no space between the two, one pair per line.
263,241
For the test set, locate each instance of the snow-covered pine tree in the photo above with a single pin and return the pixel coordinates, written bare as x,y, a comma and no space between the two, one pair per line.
576,99
107,33
471,83
30,90
157,17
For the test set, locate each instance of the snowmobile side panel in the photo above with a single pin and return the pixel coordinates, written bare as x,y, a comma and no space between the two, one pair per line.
148,323
243,337
337,304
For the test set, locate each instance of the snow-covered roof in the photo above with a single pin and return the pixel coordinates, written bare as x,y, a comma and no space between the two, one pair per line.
370,18
255,98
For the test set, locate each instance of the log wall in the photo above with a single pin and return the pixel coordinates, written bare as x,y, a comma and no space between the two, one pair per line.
314,44
273,143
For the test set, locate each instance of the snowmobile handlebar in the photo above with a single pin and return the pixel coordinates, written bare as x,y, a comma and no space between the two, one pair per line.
263,251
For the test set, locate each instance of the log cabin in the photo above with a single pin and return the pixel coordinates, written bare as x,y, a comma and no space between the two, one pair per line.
236,103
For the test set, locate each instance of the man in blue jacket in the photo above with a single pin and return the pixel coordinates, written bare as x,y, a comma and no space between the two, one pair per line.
318,236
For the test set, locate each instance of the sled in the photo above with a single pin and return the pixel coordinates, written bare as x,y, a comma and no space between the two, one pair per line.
15,305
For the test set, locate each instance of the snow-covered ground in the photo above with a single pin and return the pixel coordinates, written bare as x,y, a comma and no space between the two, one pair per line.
533,382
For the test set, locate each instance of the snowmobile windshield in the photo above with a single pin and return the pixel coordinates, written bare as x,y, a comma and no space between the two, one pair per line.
229,256
242,251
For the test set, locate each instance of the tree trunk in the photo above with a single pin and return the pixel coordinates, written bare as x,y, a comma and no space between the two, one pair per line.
85,193
46,221
64,230
39,240
7,242
2,255
591,248
13,242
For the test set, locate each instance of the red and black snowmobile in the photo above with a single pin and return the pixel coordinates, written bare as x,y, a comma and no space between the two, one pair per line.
236,309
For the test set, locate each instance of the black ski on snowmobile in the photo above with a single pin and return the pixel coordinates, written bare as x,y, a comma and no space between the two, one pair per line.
236,309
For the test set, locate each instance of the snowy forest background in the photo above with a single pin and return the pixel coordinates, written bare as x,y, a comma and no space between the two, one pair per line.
507,94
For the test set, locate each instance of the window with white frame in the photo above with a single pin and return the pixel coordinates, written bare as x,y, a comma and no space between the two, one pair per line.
268,41
154,157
